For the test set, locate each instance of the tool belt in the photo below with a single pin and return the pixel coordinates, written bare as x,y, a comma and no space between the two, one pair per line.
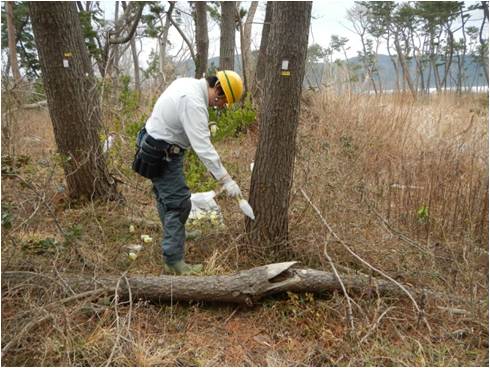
152,155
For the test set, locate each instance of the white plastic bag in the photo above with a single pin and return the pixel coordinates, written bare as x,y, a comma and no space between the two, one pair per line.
205,212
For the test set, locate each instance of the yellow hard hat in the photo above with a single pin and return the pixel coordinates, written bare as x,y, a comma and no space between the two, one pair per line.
232,85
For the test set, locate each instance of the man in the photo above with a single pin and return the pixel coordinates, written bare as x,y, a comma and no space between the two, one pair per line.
179,121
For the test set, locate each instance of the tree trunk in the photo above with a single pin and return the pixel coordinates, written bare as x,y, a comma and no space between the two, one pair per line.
262,56
245,41
449,56
12,41
136,65
405,71
227,38
113,70
162,40
246,287
202,39
395,65
73,99
483,40
274,159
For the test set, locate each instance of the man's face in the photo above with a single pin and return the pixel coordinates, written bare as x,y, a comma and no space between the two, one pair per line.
220,98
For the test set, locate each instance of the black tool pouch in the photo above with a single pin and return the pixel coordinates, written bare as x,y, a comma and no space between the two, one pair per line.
149,160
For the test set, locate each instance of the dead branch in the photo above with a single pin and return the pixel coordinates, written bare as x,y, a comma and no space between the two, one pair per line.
36,105
184,37
37,321
356,256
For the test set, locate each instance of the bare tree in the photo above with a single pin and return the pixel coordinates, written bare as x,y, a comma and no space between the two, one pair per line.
186,39
358,17
274,159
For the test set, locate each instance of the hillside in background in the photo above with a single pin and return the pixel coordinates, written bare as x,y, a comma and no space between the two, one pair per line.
316,73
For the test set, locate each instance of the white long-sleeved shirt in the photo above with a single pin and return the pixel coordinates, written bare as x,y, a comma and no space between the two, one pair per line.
180,117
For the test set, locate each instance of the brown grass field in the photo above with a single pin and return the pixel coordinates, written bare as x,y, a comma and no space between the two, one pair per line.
404,184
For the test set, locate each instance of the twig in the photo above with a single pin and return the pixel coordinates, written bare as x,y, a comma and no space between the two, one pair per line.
398,233
42,199
34,323
116,303
230,316
419,311
347,297
130,296
26,329
375,325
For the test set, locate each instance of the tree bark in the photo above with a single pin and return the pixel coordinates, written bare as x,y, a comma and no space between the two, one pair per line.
227,38
449,56
245,41
136,66
73,99
245,287
403,64
12,41
274,159
483,40
202,39
162,40
262,56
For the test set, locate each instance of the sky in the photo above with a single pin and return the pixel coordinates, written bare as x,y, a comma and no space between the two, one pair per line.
329,17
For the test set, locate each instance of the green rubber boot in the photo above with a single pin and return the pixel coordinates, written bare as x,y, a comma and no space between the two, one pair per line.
182,268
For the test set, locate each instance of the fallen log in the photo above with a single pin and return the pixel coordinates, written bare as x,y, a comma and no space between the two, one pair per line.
245,287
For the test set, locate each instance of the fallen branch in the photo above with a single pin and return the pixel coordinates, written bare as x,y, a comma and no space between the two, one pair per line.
245,287
35,105
35,322
356,256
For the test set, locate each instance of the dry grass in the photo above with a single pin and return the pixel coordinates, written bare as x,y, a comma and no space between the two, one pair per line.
369,164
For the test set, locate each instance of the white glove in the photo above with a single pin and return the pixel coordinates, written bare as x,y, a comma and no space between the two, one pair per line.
231,187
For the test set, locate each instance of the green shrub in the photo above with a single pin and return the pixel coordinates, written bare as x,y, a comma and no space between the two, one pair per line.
6,216
231,123
234,121
196,174
134,127
128,98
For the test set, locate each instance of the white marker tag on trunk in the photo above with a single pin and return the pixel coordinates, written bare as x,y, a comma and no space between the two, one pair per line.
66,64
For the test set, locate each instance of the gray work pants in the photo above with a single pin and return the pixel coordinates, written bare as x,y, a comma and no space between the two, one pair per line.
174,205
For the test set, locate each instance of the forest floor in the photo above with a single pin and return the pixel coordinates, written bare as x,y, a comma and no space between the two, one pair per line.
405,184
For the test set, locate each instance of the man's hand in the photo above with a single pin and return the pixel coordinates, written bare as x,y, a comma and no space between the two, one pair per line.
230,185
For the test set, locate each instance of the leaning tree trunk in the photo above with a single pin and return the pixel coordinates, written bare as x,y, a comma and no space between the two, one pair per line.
262,56
227,38
202,39
72,97
274,159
